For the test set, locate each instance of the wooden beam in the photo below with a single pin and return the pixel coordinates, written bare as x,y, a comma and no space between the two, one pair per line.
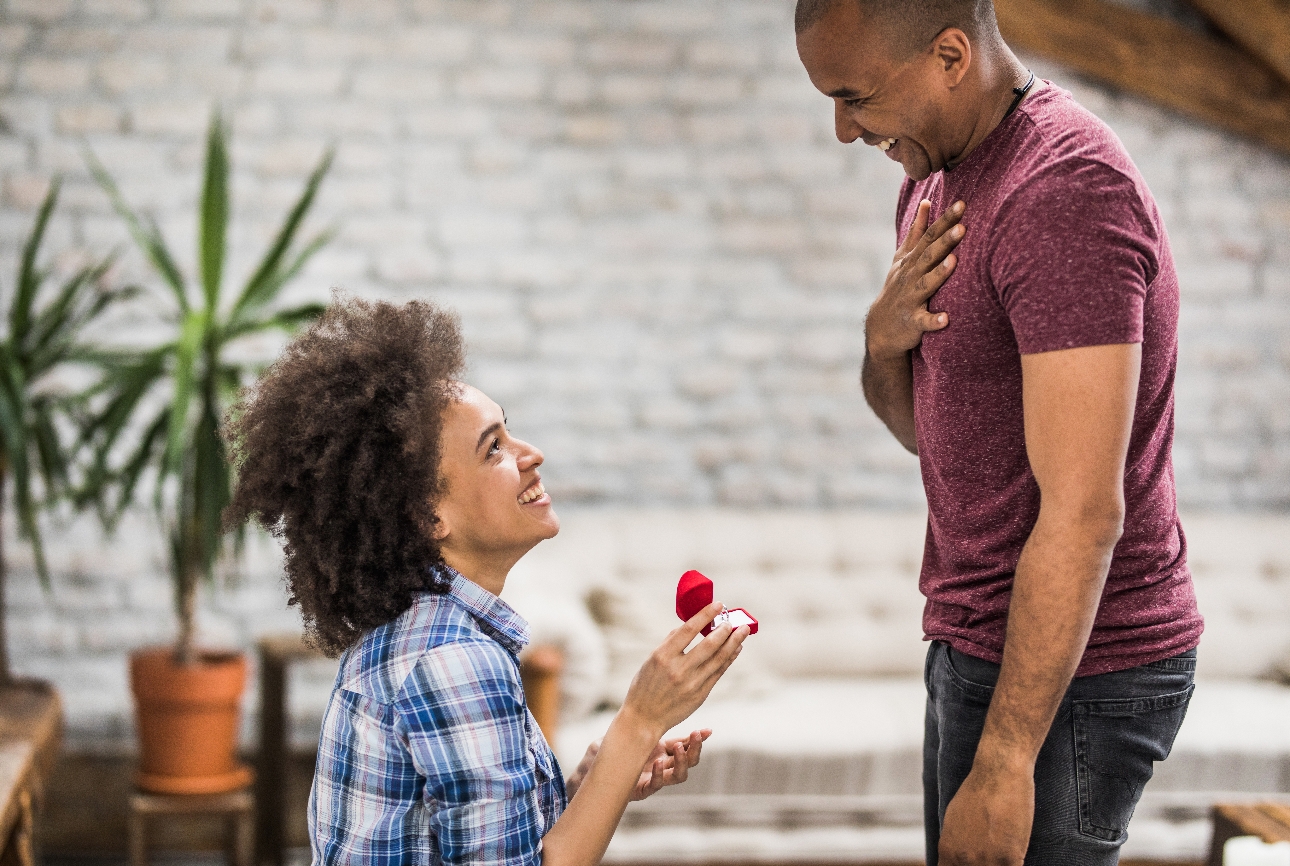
1155,58
1262,27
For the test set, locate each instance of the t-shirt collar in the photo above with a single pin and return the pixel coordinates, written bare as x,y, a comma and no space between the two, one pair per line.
988,144
495,616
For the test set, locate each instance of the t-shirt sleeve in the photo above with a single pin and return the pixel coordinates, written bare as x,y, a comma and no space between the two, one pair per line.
463,715
1074,254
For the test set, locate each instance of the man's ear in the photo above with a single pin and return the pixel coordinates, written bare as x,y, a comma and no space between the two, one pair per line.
953,52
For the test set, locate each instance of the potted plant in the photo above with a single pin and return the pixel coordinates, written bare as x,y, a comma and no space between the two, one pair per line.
44,333
186,699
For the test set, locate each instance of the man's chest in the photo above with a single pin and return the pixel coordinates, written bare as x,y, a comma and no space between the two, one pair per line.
979,337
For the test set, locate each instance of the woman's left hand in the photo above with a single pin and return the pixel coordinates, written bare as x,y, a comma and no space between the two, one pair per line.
669,764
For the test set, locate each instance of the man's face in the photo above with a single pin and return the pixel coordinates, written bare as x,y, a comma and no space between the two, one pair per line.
877,94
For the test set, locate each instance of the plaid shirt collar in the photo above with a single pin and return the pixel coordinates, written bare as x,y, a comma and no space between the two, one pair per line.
494,616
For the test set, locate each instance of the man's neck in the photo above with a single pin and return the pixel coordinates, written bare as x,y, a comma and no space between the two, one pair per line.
1001,73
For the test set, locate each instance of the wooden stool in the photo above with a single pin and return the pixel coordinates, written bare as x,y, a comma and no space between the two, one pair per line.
1269,821
237,808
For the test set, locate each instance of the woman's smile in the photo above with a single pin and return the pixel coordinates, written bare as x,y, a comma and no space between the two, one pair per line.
534,494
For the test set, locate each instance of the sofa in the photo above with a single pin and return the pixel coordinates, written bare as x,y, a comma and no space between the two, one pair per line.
816,754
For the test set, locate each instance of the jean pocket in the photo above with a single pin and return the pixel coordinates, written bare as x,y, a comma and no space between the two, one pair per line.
967,680
1117,743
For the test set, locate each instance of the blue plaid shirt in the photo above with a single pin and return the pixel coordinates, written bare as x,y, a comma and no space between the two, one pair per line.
428,752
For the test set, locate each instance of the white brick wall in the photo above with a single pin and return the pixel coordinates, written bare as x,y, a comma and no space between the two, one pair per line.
661,255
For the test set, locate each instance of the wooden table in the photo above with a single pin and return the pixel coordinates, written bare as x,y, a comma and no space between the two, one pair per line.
31,729
1269,821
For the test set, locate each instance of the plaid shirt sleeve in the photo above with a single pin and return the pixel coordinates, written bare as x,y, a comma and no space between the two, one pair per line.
467,729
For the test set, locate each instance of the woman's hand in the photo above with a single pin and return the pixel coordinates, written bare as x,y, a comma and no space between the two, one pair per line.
670,686
673,683
669,764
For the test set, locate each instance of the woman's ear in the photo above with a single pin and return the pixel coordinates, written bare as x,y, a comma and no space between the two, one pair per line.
439,528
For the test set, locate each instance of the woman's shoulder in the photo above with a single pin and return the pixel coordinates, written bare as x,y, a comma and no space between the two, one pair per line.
434,627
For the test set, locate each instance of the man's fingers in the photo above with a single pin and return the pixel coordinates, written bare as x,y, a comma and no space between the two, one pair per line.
936,252
930,283
919,227
939,228
925,321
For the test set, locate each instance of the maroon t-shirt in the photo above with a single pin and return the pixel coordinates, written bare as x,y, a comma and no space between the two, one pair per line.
1064,248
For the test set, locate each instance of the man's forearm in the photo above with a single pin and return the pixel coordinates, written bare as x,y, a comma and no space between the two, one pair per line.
1055,596
889,390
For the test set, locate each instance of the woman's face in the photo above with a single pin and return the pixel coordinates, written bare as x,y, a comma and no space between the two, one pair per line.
494,508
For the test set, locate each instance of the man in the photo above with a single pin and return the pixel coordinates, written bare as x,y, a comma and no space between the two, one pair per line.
1024,347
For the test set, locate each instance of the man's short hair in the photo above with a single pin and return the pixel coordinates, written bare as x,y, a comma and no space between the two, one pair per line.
909,24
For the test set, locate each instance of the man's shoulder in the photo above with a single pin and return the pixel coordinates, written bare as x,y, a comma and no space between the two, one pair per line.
379,665
1060,136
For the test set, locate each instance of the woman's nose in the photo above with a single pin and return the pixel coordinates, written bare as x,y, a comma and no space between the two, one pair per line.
530,456
844,126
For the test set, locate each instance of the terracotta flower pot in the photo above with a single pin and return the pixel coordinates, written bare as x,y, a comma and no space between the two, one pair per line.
188,721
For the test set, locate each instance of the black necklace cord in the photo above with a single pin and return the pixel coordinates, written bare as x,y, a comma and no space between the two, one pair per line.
1016,100
1021,94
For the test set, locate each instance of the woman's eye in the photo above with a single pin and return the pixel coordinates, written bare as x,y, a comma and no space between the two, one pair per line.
495,448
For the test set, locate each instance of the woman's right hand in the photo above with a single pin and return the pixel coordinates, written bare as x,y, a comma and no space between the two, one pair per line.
673,683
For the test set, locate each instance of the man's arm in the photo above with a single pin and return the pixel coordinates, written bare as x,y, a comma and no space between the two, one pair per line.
1078,406
899,318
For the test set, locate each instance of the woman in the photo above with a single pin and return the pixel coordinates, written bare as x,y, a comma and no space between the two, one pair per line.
403,502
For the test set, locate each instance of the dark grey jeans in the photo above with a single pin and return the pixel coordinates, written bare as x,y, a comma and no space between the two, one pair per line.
1109,731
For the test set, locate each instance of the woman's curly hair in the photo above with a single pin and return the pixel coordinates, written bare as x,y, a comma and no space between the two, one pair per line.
337,451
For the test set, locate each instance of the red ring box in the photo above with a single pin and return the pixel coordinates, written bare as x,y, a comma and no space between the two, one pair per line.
694,593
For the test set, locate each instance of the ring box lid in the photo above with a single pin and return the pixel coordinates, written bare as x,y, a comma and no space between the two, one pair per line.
694,592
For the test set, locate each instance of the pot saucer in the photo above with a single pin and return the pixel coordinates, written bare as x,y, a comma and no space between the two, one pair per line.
222,783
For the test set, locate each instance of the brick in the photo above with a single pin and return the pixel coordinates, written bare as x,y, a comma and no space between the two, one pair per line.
82,40
25,191
46,76
115,10
398,84
293,11
432,45
367,13
698,90
14,154
632,89
722,54
500,84
186,41
621,52
186,118
88,118
45,11
13,37
592,129
530,48
281,79
126,74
